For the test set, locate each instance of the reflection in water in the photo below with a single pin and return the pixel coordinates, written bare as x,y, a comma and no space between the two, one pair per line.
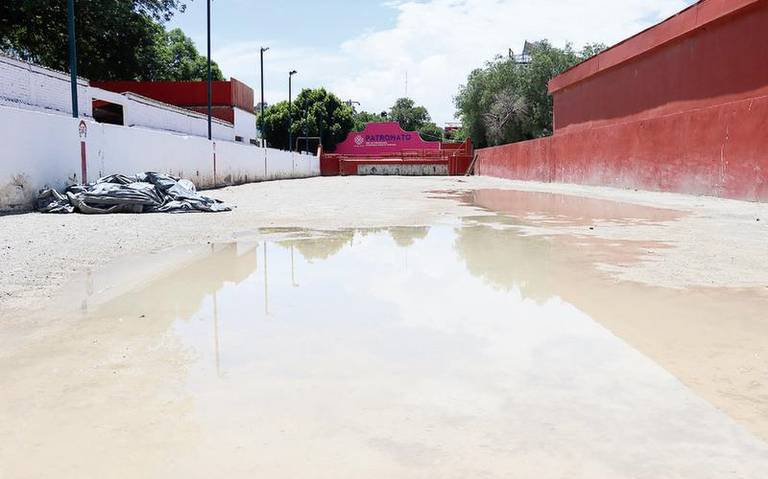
523,264
714,340
485,357
559,209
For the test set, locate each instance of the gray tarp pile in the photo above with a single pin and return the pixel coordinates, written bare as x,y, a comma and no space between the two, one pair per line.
143,193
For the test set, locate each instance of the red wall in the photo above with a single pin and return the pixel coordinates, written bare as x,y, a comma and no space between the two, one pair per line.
186,94
719,151
725,60
680,107
225,113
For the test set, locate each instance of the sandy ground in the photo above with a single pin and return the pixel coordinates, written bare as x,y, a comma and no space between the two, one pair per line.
681,279
717,243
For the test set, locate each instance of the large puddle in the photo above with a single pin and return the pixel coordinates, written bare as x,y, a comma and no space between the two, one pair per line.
462,350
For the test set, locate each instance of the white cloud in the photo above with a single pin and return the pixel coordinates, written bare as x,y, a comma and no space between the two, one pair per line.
438,42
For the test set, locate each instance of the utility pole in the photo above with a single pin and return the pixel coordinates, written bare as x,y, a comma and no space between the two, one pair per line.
210,75
290,117
72,55
261,115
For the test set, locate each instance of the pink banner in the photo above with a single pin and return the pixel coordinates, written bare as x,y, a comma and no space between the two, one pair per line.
383,138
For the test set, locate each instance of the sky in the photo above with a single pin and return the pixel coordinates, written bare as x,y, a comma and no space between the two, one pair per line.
363,50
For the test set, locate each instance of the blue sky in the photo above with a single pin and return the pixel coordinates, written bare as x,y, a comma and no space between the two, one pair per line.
363,50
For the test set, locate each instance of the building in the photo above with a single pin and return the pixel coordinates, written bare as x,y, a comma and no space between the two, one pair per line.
232,100
124,133
682,107
32,87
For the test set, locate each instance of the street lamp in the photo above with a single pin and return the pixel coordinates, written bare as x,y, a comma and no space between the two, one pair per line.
210,76
261,115
290,99
72,54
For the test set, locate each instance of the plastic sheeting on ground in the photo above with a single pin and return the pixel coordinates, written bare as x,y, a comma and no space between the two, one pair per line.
143,193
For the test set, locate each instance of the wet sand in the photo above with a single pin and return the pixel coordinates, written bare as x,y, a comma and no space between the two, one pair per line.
504,338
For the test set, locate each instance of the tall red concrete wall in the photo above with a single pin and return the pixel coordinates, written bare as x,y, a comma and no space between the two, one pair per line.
680,107
720,151
724,61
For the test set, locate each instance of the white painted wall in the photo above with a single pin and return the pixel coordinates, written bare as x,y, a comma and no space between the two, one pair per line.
43,149
245,125
148,113
30,86
24,85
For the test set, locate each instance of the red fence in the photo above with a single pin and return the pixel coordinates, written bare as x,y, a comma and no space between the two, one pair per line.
456,156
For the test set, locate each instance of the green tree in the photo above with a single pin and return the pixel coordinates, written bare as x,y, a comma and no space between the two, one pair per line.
315,113
364,117
410,116
116,39
177,59
506,101
431,132
415,118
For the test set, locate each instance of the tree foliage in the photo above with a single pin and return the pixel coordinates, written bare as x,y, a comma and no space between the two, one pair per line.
178,59
506,101
314,113
415,118
116,39
410,117
362,118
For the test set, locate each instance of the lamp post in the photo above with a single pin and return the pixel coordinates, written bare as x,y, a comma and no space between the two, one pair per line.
290,118
210,76
261,115
72,54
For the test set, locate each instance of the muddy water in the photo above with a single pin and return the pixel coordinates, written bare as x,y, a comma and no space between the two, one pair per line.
462,350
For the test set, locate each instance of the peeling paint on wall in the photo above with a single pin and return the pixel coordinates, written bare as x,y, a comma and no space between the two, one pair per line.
17,194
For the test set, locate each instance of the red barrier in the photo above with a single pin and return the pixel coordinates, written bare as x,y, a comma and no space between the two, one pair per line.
682,107
456,156
720,151
232,93
712,53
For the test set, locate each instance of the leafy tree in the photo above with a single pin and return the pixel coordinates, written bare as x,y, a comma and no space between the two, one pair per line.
116,39
456,136
431,132
177,59
410,116
415,118
363,117
506,101
315,113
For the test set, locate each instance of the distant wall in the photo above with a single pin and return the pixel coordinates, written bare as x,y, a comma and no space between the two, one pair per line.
245,124
148,113
39,88
29,86
41,149
186,93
